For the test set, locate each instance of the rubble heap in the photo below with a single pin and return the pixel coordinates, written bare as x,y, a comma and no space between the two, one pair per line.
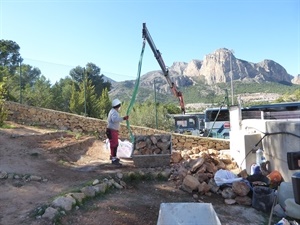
152,145
194,170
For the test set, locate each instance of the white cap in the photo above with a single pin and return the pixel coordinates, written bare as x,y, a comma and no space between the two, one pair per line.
116,102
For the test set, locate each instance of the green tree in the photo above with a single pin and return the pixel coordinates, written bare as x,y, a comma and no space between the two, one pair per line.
9,55
10,59
88,97
39,94
77,74
75,106
62,92
297,95
3,111
29,76
104,104
92,73
3,88
84,101
172,109
290,97
4,73
144,114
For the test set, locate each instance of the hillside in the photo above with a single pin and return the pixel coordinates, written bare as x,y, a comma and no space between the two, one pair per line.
207,80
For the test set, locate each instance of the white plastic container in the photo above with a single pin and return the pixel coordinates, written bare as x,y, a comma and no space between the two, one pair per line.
259,156
292,209
285,191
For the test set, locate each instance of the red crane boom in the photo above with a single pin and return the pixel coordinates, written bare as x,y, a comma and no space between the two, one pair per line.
157,54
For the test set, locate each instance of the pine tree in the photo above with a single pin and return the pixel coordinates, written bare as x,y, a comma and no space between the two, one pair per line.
39,94
75,106
88,98
105,104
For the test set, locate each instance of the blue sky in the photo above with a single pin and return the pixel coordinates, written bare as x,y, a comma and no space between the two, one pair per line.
58,35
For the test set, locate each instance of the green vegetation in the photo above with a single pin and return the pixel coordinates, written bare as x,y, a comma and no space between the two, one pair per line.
3,111
85,92
148,114
266,87
216,94
290,97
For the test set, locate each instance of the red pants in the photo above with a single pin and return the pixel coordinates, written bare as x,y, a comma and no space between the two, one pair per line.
114,142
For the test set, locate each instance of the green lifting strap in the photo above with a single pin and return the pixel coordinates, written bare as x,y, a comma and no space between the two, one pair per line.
136,87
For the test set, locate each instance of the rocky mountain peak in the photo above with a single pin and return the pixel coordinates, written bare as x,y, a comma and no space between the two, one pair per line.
219,66
178,67
296,79
222,66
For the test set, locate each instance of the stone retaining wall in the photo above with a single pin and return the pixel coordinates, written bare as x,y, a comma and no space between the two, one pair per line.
67,121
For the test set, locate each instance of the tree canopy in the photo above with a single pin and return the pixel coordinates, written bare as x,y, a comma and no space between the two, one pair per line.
92,73
10,57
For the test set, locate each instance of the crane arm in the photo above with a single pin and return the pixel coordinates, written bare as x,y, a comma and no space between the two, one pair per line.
157,54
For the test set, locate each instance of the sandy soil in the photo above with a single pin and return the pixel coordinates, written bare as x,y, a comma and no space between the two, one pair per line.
66,161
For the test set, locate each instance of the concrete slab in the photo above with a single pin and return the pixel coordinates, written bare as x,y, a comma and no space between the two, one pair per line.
187,213
146,161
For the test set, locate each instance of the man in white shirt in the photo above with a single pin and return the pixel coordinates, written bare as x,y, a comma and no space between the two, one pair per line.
112,131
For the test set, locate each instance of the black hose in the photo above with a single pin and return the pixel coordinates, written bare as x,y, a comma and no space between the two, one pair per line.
265,135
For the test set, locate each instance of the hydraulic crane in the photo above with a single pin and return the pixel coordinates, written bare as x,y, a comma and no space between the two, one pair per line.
157,54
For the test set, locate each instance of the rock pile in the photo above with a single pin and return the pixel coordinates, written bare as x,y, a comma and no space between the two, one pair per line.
194,170
152,145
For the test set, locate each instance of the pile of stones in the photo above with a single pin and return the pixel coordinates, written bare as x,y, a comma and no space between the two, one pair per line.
194,170
152,145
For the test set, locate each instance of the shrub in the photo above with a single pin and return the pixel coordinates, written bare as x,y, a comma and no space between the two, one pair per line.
3,112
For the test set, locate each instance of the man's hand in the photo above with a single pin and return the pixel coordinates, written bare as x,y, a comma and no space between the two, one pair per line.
125,117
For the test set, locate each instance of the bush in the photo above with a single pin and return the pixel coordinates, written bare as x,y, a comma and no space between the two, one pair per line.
3,112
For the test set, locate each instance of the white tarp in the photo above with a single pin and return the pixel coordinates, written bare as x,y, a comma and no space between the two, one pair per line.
124,148
225,177
187,213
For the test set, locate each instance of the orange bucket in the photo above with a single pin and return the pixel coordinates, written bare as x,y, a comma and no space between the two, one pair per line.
275,177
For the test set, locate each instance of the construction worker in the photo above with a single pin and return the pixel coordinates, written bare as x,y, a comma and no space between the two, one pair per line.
112,131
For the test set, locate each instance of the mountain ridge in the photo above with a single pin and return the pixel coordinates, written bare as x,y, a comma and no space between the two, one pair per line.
216,68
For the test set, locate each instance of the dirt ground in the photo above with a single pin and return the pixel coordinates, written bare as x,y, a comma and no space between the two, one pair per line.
66,161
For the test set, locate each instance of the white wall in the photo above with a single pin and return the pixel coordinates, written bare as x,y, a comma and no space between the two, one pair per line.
276,146
241,145
245,134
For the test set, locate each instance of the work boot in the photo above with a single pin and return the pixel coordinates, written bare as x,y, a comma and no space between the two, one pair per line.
113,158
116,162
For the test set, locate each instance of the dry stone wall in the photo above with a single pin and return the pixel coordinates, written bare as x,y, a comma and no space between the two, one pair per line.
152,145
67,121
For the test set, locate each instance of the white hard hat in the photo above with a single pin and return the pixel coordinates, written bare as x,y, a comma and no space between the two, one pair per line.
115,102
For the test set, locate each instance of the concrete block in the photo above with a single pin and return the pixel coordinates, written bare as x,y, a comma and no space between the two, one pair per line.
187,213
145,161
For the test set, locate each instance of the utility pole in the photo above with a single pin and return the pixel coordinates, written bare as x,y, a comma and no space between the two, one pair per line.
231,77
20,71
84,83
226,98
154,85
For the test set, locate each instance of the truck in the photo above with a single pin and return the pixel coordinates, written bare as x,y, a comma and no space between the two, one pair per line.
217,122
189,124
165,71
